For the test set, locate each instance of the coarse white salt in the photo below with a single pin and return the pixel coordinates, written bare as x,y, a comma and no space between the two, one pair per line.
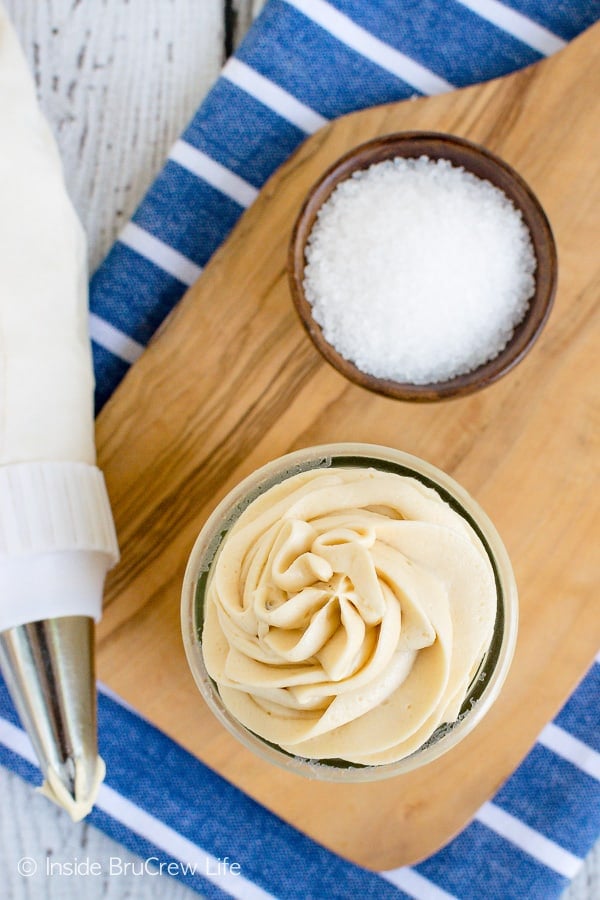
418,271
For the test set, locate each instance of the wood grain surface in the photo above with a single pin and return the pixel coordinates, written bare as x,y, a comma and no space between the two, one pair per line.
105,161
118,80
233,381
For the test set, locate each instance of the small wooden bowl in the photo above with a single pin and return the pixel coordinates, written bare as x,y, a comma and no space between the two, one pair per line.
485,165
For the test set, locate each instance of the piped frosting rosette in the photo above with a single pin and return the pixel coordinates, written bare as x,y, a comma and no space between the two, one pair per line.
346,614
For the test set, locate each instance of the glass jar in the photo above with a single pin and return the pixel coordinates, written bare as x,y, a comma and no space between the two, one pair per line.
491,673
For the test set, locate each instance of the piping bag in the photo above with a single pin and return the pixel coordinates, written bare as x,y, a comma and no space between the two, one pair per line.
57,537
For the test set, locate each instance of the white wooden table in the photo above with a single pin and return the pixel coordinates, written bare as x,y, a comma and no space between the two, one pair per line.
118,80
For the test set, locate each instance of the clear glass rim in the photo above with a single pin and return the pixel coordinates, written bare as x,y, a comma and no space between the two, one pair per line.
505,628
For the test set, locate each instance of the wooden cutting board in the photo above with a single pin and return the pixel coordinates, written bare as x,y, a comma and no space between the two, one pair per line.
232,381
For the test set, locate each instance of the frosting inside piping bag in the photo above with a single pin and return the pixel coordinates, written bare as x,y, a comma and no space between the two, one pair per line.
346,614
57,537
46,377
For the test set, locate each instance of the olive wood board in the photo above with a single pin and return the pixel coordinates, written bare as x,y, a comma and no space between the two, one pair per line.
233,381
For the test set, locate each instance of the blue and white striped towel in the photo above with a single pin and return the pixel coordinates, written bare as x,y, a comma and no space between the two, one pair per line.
164,804
302,63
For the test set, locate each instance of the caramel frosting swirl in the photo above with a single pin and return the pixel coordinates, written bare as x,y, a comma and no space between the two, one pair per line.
346,614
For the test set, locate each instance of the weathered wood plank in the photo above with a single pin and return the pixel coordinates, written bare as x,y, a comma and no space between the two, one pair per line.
118,82
29,825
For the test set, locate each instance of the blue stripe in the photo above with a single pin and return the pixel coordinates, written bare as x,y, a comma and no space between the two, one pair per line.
241,133
246,137
480,864
133,294
187,213
472,49
221,820
581,713
7,710
16,763
97,817
226,822
150,293
298,66
146,850
565,18
570,811
110,371
115,829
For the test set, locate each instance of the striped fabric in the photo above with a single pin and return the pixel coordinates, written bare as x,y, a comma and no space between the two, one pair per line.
164,804
303,63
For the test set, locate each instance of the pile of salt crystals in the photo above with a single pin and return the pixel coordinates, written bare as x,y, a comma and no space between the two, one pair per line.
418,271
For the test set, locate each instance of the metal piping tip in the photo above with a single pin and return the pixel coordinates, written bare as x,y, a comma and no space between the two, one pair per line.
49,670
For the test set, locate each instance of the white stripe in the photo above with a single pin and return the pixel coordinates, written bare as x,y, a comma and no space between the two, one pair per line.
214,173
109,337
598,658
365,43
515,23
163,256
159,834
415,885
17,740
570,748
530,841
150,828
270,94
